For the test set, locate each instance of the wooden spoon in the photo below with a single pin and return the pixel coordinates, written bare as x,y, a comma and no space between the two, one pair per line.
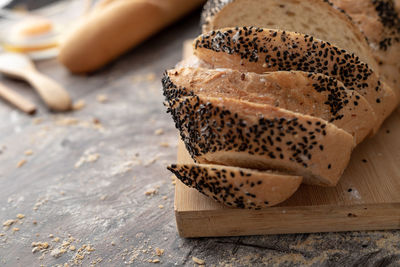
20,66
17,100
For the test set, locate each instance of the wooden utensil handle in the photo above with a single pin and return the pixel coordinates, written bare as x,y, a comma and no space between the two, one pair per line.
55,96
17,100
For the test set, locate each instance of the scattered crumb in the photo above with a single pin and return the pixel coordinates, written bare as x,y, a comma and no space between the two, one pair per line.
78,105
102,98
103,197
72,248
159,251
9,222
38,246
160,206
40,202
34,222
159,131
150,192
21,163
56,239
165,197
156,261
58,252
15,229
87,158
20,216
51,236
28,152
112,243
89,248
2,234
198,261
164,144
67,121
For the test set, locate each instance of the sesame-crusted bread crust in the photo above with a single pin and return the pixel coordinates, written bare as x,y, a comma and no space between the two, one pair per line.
238,187
264,50
317,18
305,93
231,132
380,22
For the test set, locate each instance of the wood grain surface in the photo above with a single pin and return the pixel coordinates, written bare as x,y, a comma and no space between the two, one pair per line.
86,184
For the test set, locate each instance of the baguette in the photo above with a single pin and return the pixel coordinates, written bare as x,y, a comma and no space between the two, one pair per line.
306,93
116,26
312,17
380,22
238,187
230,132
262,50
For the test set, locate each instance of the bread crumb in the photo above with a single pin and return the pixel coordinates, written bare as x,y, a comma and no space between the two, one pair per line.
58,252
39,246
28,152
20,216
15,229
21,163
198,261
160,206
159,131
156,261
56,239
112,243
51,235
102,98
165,197
9,222
159,251
86,159
150,192
89,248
34,222
164,144
78,105
72,248
66,121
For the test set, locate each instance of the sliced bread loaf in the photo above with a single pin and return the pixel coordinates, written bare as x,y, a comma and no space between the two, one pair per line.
306,93
259,136
313,17
238,187
380,22
262,50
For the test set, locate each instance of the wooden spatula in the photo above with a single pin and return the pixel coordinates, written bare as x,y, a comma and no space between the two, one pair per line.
20,66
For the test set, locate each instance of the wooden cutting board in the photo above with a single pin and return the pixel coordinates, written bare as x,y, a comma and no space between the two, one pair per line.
366,198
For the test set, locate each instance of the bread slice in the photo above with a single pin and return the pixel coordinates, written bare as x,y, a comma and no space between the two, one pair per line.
232,132
380,22
238,187
306,93
262,50
313,17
